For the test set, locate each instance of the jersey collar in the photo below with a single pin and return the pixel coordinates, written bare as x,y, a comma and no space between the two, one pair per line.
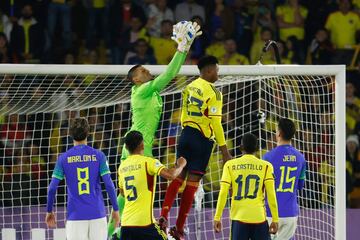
205,81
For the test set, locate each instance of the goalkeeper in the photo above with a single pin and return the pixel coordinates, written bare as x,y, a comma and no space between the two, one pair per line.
146,102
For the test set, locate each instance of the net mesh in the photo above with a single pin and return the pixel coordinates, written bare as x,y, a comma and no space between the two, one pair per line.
36,110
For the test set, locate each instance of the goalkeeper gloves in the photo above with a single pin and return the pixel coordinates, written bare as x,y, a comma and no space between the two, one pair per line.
184,34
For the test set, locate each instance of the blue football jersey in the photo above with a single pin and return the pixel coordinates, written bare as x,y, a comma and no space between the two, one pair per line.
289,167
82,167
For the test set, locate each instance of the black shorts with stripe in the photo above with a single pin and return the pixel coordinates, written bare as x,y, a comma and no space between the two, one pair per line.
196,149
137,233
246,231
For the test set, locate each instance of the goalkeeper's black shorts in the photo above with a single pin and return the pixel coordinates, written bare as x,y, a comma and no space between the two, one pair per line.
196,149
152,231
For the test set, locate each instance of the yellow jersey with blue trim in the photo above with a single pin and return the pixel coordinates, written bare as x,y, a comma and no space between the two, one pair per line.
137,179
202,109
250,178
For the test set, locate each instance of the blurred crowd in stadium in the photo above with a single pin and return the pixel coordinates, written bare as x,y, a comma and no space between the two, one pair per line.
139,32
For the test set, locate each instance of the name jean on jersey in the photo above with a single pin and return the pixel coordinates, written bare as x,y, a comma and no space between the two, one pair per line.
247,166
82,158
289,158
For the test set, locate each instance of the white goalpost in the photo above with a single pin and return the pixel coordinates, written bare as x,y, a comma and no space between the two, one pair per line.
38,101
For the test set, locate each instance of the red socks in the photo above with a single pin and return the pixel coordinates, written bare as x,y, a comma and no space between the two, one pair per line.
187,199
170,196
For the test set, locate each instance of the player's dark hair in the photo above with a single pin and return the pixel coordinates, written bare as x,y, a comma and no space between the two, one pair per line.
79,129
132,140
130,74
287,128
249,143
207,61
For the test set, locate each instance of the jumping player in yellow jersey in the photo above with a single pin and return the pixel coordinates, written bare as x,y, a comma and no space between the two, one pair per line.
250,178
146,102
137,182
201,123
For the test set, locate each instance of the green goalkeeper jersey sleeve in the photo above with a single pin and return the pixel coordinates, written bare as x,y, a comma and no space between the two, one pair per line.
146,102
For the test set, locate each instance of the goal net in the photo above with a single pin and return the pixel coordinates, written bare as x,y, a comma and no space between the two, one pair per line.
37,103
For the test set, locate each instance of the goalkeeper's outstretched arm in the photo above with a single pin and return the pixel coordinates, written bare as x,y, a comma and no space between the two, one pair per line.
184,37
160,82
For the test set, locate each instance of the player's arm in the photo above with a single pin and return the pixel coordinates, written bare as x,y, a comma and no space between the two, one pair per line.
172,173
57,176
159,83
115,215
215,113
185,35
121,183
109,185
301,182
221,202
269,182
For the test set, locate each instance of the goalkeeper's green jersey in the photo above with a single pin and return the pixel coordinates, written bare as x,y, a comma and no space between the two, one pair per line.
146,103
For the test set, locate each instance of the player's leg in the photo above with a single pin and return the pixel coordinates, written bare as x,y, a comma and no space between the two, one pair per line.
187,198
287,228
97,229
77,230
239,231
120,201
200,149
260,231
171,193
173,188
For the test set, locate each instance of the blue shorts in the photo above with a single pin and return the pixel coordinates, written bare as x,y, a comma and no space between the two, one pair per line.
196,149
152,231
246,231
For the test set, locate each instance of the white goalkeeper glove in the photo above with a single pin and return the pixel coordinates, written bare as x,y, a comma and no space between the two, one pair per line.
184,34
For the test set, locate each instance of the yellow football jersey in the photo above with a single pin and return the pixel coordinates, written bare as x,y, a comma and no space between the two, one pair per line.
202,109
343,28
249,178
288,14
216,50
235,59
164,49
137,178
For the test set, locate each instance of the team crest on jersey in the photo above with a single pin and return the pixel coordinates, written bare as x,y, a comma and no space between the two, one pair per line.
213,109
157,164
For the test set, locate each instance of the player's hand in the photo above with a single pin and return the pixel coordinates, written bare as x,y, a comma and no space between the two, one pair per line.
115,218
184,34
225,153
273,227
50,220
181,162
197,29
227,156
217,226
181,35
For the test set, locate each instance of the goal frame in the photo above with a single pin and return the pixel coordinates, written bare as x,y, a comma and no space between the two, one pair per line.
254,70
